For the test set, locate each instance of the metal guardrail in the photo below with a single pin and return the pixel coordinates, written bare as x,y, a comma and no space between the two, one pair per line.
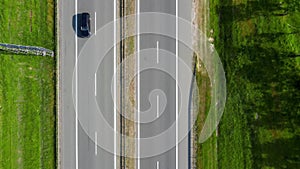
122,86
192,116
27,50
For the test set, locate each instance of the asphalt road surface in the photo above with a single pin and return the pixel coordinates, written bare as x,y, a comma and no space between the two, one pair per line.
152,79
158,82
88,156
78,139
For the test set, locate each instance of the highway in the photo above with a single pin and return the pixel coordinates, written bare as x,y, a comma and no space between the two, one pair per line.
160,71
85,86
160,81
80,132
90,156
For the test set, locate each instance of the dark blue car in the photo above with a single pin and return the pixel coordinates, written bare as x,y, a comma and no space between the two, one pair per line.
84,25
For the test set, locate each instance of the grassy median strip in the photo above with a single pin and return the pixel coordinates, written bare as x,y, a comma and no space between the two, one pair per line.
27,86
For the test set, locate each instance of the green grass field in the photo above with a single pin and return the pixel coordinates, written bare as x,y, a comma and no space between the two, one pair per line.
27,86
258,43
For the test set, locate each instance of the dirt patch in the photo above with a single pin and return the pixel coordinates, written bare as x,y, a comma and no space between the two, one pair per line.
247,27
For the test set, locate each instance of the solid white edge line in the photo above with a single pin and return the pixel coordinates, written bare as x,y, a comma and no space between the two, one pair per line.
157,106
95,23
138,83
115,85
157,164
157,51
176,84
96,143
76,92
95,84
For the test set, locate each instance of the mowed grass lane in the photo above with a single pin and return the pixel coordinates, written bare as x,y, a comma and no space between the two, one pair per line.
27,86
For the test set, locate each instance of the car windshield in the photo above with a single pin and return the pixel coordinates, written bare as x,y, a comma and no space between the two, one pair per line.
84,28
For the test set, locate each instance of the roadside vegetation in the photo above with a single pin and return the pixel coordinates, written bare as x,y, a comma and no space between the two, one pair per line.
258,43
206,153
27,86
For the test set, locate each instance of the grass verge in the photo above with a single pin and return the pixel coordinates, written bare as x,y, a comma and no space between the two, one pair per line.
27,86
206,153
